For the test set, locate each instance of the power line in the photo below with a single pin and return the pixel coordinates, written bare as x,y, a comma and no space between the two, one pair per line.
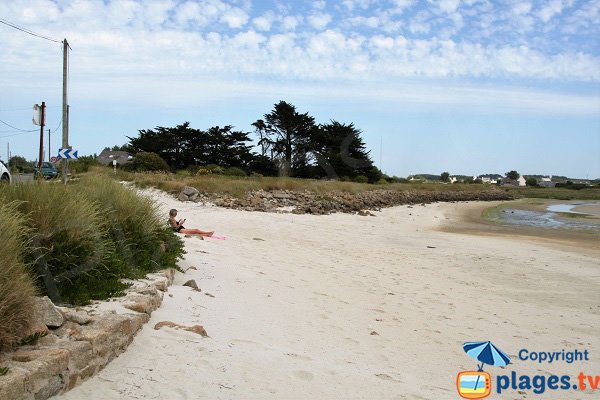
18,134
15,128
5,22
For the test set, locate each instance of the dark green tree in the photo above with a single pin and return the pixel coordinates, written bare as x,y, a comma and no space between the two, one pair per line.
20,164
286,134
514,175
340,151
183,146
445,176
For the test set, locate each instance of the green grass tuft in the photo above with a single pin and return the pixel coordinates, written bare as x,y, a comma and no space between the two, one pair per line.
17,289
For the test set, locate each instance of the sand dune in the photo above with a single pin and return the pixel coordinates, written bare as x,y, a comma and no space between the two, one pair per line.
349,307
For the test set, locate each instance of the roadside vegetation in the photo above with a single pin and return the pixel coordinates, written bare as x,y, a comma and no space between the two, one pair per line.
16,280
87,237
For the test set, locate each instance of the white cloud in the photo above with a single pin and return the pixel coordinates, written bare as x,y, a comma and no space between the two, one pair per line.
319,4
264,22
291,22
448,6
235,17
319,21
550,10
522,8
371,22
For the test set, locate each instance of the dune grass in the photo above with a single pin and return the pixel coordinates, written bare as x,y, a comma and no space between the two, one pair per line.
16,282
88,235
238,186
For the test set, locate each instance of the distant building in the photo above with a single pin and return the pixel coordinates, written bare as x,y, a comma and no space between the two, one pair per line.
546,182
514,182
107,157
453,179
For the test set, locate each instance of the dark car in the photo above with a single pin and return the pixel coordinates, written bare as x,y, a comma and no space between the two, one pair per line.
49,170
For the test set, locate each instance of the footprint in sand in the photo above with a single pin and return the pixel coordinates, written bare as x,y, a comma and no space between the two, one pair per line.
298,356
304,375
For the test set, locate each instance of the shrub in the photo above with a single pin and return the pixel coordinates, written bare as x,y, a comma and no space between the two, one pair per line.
531,182
143,241
69,241
89,235
148,162
361,179
83,164
16,284
234,171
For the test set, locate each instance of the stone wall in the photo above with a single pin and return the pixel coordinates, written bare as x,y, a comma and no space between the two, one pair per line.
79,342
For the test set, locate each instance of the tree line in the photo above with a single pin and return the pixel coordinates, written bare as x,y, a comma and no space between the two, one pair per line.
290,143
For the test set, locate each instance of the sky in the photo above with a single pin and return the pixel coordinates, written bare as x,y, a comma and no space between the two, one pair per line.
464,86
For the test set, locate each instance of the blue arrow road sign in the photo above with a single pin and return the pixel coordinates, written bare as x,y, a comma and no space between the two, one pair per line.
67,153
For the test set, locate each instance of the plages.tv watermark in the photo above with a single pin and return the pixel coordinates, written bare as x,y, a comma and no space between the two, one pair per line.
480,384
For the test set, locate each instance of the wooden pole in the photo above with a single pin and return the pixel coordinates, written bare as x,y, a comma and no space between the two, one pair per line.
65,109
41,158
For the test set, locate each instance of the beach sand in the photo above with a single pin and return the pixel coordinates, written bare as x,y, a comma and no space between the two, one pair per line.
350,307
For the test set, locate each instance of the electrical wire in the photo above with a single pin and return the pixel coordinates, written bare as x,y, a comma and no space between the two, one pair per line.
15,128
5,22
18,134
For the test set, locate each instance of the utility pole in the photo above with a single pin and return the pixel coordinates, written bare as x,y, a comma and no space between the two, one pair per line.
41,158
65,110
49,147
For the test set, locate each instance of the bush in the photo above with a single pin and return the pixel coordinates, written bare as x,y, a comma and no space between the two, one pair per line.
234,171
89,235
531,182
147,162
83,164
69,241
144,242
16,284
361,179
210,170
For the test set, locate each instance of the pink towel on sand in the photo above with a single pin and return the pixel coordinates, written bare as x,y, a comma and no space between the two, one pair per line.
217,237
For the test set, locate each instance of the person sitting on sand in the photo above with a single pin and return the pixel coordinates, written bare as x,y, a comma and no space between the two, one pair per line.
177,226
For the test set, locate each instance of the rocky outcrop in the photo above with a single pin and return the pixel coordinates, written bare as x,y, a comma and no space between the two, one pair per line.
79,343
307,202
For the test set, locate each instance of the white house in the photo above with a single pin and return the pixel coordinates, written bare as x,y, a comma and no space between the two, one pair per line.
521,181
453,179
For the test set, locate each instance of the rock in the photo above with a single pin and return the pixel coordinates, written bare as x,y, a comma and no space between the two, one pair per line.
282,196
53,385
192,283
79,317
190,191
170,275
45,311
374,333
199,329
143,303
182,197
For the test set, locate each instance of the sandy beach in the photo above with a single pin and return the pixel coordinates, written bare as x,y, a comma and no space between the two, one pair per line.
349,307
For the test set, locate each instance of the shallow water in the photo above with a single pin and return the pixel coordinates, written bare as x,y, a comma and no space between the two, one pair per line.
549,219
565,208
